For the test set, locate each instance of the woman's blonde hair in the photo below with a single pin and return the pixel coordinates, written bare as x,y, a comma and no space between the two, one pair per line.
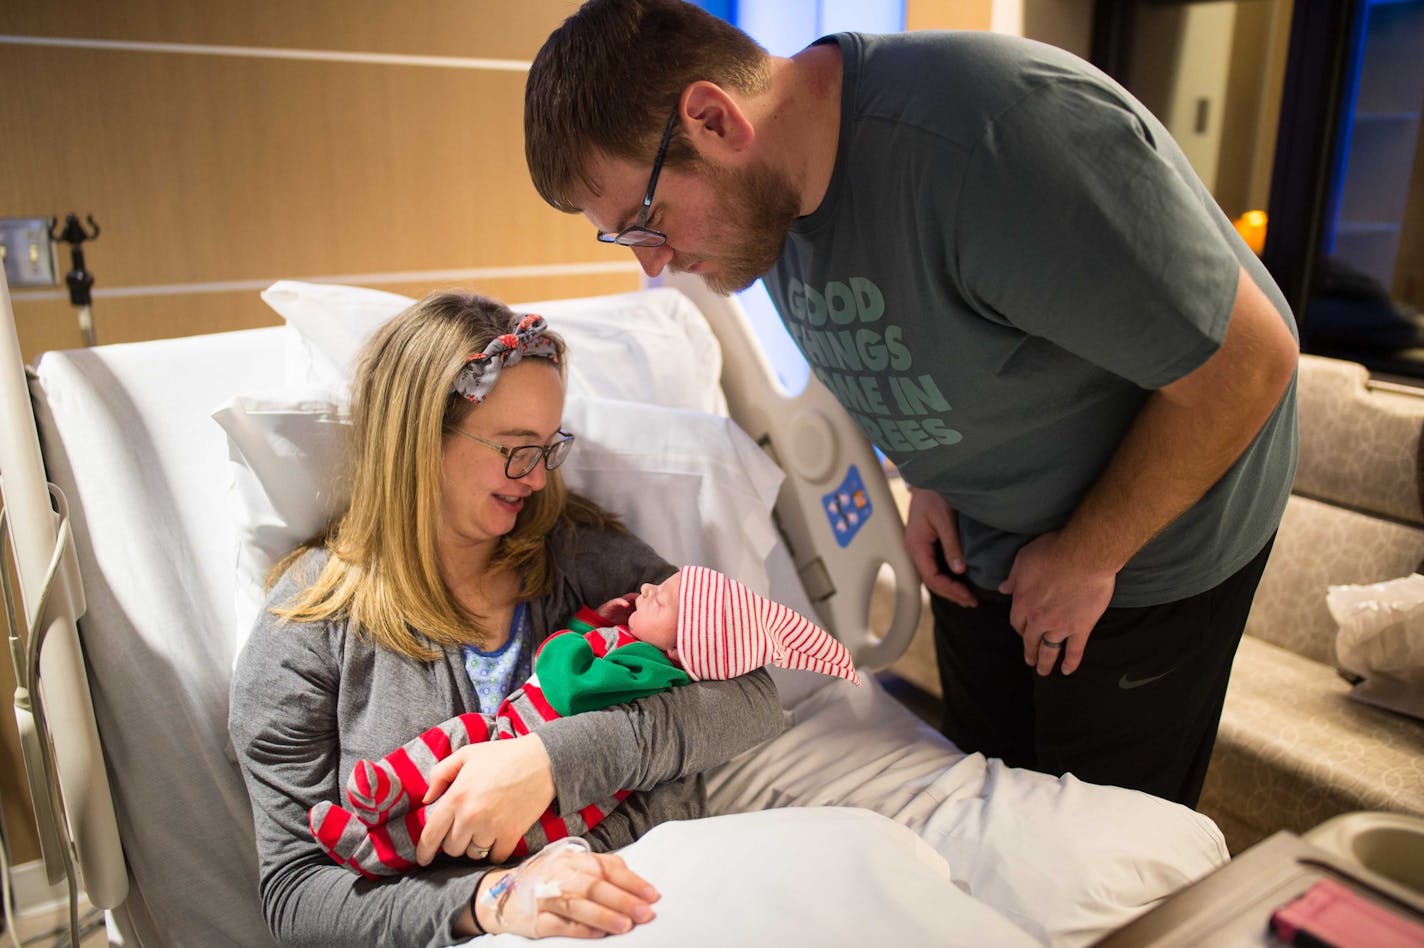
382,572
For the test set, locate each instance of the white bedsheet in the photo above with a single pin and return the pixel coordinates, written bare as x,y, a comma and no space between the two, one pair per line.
1064,860
127,437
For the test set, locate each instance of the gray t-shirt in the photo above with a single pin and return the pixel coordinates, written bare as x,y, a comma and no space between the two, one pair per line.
1012,253
308,701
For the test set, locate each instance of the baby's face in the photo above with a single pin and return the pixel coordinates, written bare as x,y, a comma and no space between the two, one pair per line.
654,618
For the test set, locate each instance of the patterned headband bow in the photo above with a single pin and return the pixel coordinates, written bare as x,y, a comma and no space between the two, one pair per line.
481,370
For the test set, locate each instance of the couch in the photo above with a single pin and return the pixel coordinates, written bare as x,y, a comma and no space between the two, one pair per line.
1293,748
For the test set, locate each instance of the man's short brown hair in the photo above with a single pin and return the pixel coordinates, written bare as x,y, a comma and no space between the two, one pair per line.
606,81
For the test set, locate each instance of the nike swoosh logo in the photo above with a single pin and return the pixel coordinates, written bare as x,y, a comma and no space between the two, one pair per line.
1127,684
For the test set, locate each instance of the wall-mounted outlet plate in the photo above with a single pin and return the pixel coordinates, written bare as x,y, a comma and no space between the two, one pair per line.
28,252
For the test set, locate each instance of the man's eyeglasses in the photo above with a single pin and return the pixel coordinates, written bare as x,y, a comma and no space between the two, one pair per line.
639,235
520,461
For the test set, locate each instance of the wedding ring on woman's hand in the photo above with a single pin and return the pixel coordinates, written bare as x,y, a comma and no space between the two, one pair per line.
1047,644
477,852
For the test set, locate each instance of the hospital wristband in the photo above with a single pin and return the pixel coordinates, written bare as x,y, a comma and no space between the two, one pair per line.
474,903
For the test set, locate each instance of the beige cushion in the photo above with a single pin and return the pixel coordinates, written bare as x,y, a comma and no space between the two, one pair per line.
1294,750
1318,546
1359,446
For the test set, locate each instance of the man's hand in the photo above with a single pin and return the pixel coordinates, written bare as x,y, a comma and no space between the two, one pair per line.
1055,601
931,527
497,790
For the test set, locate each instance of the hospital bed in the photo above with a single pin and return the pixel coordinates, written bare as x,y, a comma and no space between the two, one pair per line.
147,486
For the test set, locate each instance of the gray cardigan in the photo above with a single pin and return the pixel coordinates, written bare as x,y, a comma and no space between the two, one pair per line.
308,701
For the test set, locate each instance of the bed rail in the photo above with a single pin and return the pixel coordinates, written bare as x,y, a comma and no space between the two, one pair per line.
73,806
835,510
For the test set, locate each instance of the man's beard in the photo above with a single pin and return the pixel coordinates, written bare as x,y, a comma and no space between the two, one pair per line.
760,206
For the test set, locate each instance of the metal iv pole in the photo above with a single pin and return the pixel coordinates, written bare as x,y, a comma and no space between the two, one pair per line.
79,279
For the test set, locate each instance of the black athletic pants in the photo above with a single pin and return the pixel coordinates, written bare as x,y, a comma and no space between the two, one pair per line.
1142,709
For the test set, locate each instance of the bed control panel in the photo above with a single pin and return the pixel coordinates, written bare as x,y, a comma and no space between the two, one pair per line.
848,507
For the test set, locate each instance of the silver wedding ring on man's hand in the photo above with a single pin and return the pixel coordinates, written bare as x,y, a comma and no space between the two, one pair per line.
1044,643
477,852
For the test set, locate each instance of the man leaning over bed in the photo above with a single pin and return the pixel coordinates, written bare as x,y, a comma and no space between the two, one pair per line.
1012,279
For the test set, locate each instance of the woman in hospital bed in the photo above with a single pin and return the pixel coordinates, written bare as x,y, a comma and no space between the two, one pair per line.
459,551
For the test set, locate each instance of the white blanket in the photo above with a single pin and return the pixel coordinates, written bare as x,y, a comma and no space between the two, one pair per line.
1064,860
828,877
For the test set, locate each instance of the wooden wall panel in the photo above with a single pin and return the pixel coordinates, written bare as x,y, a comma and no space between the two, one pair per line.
216,168
481,28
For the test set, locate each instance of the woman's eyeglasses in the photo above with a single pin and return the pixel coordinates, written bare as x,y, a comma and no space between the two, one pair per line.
521,460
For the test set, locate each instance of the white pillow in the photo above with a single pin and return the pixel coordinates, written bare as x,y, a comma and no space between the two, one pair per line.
823,876
691,484
646,346
332,322
285,452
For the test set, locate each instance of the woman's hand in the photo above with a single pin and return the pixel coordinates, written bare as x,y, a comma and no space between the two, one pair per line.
565,890
496,791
